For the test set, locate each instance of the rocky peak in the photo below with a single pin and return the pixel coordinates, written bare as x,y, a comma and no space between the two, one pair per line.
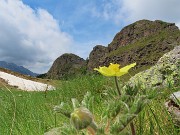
138,30
66,65
143,42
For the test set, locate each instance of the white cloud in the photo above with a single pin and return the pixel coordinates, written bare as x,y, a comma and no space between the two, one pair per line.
30,37
128,11
106,9
167,10
133,10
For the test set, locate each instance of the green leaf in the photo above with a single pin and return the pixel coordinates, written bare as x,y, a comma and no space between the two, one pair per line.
75,103
63,108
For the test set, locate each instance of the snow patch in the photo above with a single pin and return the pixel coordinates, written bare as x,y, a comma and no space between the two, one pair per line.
25,84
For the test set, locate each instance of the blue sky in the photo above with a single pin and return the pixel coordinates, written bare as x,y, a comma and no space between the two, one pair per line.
35,32
78,19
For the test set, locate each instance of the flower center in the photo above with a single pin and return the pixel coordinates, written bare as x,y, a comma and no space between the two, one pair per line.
114,67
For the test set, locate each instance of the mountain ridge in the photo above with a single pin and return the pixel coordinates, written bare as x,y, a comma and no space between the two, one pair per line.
16,68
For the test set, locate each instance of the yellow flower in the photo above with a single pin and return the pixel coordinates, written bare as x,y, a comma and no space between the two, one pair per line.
114,70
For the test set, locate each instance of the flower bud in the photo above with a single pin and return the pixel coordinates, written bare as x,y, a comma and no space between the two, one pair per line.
81,118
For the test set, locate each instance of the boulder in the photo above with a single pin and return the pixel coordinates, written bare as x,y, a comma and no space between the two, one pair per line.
165,72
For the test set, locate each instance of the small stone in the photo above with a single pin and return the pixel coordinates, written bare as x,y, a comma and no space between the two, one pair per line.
173,107
54,131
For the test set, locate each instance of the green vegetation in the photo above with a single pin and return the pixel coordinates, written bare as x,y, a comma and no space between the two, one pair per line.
31,113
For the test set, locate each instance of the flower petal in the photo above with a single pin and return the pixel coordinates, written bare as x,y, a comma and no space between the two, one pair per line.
126,68
113,70
114,67
120,73
105,71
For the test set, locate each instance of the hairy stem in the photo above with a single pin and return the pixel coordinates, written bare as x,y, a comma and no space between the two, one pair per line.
119,92
132,128
116,81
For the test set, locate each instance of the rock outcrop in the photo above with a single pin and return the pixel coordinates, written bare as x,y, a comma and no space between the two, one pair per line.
143,42
66,65
96,55
166,71
134,32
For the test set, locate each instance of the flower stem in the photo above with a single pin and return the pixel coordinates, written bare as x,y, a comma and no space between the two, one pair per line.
119,92
132,128
116,81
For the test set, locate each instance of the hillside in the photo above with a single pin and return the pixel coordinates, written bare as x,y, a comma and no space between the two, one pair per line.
16,68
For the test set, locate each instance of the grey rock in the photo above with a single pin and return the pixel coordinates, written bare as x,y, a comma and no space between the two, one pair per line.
167,70
173,107
175,96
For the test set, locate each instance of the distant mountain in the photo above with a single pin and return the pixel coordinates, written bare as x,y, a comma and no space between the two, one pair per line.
65,66
16,68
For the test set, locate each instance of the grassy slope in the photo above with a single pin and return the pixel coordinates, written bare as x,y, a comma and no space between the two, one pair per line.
158,37
30,113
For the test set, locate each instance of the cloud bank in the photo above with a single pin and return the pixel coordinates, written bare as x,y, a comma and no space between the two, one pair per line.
28,37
